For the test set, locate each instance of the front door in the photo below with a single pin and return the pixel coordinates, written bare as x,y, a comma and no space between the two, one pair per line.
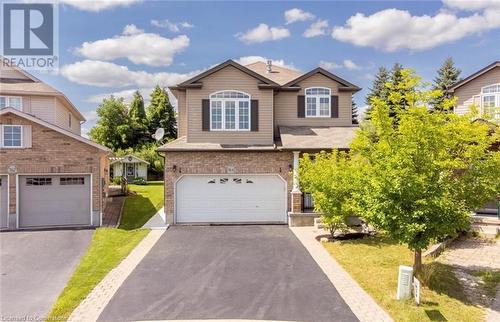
130,168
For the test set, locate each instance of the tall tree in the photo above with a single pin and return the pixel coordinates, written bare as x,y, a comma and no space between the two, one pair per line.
161,113
378,89
447,75
138,121
112,128
354,112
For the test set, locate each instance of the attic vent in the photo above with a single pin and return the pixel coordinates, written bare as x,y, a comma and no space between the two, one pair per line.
269,66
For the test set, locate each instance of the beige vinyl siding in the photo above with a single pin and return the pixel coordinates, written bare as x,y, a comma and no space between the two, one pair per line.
9,72
62,117
230,78
26,103
181,113
43,107
285,105
465,94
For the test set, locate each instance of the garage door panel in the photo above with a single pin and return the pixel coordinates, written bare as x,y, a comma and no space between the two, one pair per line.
230,198
64,201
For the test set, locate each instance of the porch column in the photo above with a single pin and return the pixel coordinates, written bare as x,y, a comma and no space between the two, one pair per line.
296,194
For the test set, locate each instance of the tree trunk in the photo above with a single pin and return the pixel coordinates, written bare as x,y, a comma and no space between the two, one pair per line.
417,264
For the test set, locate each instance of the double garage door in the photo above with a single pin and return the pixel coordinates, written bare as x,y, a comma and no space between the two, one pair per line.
231,199
55,200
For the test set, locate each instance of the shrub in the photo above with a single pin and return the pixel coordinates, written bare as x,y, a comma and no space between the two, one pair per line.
140,181
117,180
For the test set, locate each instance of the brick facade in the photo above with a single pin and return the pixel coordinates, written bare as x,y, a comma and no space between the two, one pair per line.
221,162
52,153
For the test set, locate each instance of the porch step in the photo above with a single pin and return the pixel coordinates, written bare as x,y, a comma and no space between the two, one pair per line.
318,224
488,231
486,220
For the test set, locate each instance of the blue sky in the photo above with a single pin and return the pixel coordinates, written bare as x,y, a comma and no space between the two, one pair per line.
121,45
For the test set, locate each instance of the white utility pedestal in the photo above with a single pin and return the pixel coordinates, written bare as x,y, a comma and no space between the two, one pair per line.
405,280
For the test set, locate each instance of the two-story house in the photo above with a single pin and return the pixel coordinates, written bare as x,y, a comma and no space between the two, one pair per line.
481,89
241,132
49,174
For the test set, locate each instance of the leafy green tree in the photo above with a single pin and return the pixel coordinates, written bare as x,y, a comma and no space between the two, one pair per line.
138,121
354,112
447,75
112,128
379,88
422,179
331,178
161,113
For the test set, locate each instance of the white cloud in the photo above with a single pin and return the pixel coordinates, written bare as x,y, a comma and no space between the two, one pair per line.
472,5
263,33
105,74
296,14
317,28
246,60
172,26
98,5
392,29
137,46
90,115
347,64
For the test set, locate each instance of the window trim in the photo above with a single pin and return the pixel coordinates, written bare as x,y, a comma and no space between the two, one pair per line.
237,111
8,98
497,100
317,103
2,143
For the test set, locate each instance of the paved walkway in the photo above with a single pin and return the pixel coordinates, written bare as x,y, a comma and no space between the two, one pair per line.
112,211
362,305
91,307
472,254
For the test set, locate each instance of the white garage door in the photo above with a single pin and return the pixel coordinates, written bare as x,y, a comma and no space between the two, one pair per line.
4,210
231,199
62,200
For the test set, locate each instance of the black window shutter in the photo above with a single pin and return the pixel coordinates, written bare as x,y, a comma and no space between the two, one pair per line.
254,116
301,106
205,114
334,106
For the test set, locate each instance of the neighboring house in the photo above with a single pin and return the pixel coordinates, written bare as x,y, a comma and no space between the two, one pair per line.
241,132
481,89
50,175
129,166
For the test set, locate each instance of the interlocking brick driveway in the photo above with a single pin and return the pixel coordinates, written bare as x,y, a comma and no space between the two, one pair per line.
228,272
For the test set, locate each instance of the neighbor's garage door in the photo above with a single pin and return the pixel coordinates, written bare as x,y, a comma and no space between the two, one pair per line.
4,210
230,199
62,200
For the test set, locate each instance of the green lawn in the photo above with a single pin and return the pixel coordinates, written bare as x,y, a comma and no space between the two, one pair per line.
139,208
108,248
373,262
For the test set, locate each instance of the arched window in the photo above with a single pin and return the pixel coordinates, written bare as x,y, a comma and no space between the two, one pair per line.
229,111
318,102
490,101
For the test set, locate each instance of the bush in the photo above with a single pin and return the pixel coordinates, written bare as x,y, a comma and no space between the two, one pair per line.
140,181
117,180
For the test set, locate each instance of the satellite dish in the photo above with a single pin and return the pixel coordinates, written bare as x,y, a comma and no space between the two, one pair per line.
160,132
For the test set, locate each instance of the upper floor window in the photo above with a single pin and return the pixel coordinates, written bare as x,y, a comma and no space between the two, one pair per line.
490,101
318,102
10,101
12,136
229,111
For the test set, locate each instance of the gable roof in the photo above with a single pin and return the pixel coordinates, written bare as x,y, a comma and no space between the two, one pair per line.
119,159
475,75
346,86
33,87
278,74
194,82
29,117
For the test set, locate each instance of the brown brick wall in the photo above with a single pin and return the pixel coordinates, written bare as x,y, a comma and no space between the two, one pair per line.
52,153
276,162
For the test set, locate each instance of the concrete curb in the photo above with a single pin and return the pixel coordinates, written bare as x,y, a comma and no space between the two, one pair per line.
361,304
93,305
